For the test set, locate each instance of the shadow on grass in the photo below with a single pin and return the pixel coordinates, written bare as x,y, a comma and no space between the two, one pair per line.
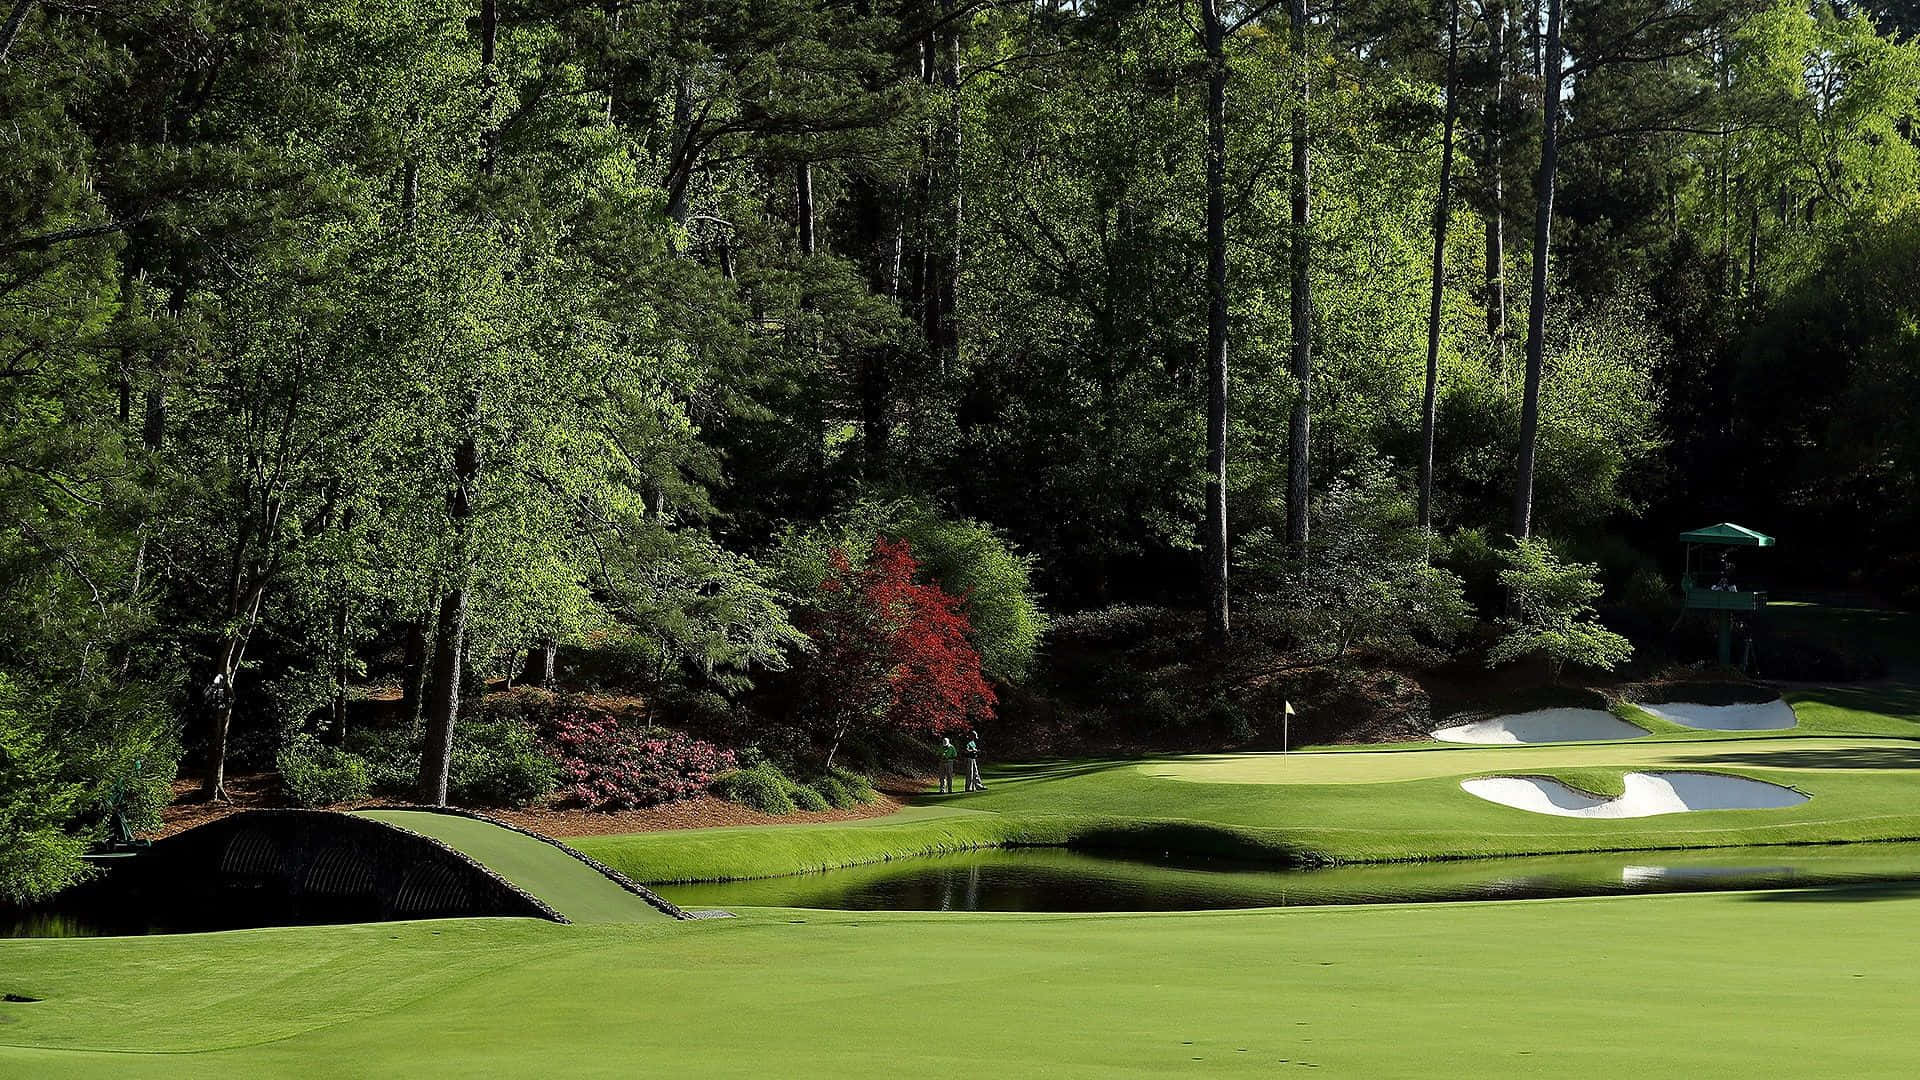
1873,758
1843,894
1055,770
1900,700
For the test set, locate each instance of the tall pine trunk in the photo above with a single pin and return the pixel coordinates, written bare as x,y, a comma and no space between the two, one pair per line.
1441,209
450,639
489,82
1537,304
1495,170
1299,427
803,205
945,291
1214,530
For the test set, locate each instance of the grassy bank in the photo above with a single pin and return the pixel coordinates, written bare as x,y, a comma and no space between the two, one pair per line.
1706,986
1351,806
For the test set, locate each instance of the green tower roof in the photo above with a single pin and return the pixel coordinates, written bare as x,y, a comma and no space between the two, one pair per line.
1729,534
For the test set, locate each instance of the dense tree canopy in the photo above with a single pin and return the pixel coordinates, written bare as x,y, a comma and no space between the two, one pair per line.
407,339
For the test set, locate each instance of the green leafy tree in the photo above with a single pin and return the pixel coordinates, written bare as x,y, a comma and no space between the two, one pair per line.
1365,589
1551,613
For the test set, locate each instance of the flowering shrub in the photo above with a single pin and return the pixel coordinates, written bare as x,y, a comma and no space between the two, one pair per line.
607,765
889,652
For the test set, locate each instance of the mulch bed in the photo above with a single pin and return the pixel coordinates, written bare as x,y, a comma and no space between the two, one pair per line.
697,813
260,791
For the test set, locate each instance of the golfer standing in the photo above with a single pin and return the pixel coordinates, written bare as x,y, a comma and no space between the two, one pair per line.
972,752
946,765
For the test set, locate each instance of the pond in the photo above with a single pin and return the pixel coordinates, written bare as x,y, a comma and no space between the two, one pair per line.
1052,879
1057,880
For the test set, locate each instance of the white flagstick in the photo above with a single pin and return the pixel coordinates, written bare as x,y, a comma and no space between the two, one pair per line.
1286,717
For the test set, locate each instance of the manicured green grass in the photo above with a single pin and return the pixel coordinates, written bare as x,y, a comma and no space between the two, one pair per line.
1338,807
1855,751
1732,984
568,885
1724,985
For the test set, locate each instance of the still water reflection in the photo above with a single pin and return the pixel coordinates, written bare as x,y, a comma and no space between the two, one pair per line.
1050,879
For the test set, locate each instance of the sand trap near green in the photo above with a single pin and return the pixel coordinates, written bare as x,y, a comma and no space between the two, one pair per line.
1542,726
1775,715
1644,794
566,884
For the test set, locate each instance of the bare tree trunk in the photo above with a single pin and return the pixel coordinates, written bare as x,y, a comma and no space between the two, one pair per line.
409,194
11,31
443,697
883,232
1214,529
219,722
803,205
153,435
946,287
1537,306
489,83
341,616
1299,428
414,668
1538,60
1495,167
244,611
1441,208
679,168
541,662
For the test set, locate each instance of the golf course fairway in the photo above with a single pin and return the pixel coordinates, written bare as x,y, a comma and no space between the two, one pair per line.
1818,984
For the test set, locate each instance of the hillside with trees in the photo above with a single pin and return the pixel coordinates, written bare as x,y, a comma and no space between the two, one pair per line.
602,403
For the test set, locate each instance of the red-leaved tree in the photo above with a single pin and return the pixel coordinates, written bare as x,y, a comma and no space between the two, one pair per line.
890,653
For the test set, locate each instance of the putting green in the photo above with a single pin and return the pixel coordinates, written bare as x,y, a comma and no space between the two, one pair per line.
566,884
1364,767
1724,985
1350,806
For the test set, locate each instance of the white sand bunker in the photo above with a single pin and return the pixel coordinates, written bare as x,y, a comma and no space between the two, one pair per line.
1542,726
1775,715
1646,794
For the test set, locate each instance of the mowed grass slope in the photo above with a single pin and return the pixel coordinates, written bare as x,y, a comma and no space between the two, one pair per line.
1723,985
1855,751
1339,807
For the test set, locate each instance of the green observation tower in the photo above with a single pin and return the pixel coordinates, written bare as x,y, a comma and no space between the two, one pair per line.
1711,588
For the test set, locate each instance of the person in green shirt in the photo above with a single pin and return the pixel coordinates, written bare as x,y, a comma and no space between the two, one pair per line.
972,752
947,754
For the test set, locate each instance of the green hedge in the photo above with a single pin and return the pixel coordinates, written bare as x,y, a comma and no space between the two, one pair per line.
316,774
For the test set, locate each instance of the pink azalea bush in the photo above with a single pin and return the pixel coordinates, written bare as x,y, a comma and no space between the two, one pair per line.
608,765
